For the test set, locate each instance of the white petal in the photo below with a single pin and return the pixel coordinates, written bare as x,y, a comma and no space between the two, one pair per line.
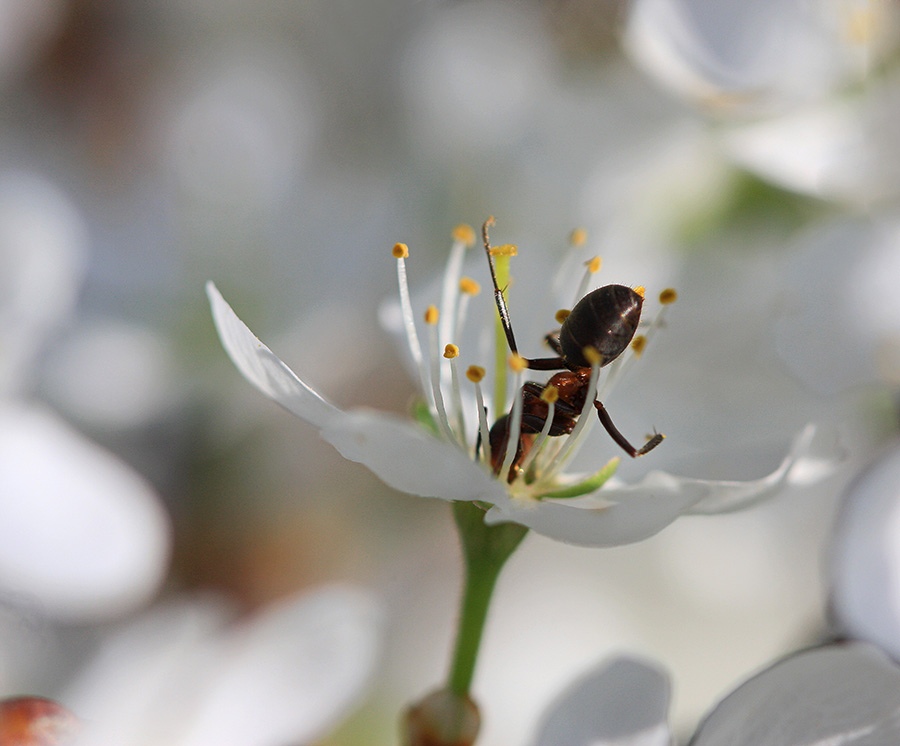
42,262
403,455
178,676
80,532
146,678
290,675
617,515
732,53
624,702
610,517
865,556
846,695
815,455
263,369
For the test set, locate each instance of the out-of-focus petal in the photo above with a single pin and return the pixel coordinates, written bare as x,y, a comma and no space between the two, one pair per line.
814,456
146,679
847,694
291,673
178,676
80,532
403,455
624,702
865,556
621,514
262,367
42,261
732,55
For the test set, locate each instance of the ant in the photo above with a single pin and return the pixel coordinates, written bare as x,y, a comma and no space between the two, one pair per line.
604,321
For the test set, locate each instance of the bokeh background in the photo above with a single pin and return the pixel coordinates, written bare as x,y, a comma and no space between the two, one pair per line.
746,156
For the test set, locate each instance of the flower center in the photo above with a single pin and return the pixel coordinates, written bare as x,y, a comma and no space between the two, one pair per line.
530,436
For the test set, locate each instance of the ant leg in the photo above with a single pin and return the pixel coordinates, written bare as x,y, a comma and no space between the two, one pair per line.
552,341
620,439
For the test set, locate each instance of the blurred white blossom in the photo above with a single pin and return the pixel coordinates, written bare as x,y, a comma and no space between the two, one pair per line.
864,558
837,694
83,535
184,675
797,88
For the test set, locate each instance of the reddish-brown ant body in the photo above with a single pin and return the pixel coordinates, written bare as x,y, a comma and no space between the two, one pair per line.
602,323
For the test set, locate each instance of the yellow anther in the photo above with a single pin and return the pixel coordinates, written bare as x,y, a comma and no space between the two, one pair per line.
592,355
561,315
464,234
861,25
451,351
475,373
594,265
468,286
638,344
550,394
517,363
578,237
507,249
400,251
431,315
640,290
669,295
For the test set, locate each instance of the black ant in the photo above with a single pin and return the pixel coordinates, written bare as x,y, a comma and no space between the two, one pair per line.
605,321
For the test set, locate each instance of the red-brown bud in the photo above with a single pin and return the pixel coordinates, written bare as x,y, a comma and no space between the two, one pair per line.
35,721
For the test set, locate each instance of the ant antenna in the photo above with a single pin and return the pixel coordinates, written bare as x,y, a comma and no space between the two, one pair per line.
498,293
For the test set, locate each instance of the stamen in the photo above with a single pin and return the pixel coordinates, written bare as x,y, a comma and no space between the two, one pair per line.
434,358
451,284
667,296
401,252
550,395
451,352
591,267
638,344
582,426
464,234
467,288
475,374
561,315
640,290
517,363
515,423
578,237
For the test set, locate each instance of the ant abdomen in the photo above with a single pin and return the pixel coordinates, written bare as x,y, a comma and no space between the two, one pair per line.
605,319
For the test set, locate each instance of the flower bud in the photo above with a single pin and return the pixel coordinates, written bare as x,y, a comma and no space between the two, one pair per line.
34,721
442,719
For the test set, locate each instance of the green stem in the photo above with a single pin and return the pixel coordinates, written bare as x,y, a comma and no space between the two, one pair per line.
486,549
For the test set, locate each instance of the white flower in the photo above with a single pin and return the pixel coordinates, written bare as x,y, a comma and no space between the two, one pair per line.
448,460
831,695
182,676
814,83
865,556
732,56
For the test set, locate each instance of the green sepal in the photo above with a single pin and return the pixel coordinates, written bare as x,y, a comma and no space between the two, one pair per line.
591,484
422,414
